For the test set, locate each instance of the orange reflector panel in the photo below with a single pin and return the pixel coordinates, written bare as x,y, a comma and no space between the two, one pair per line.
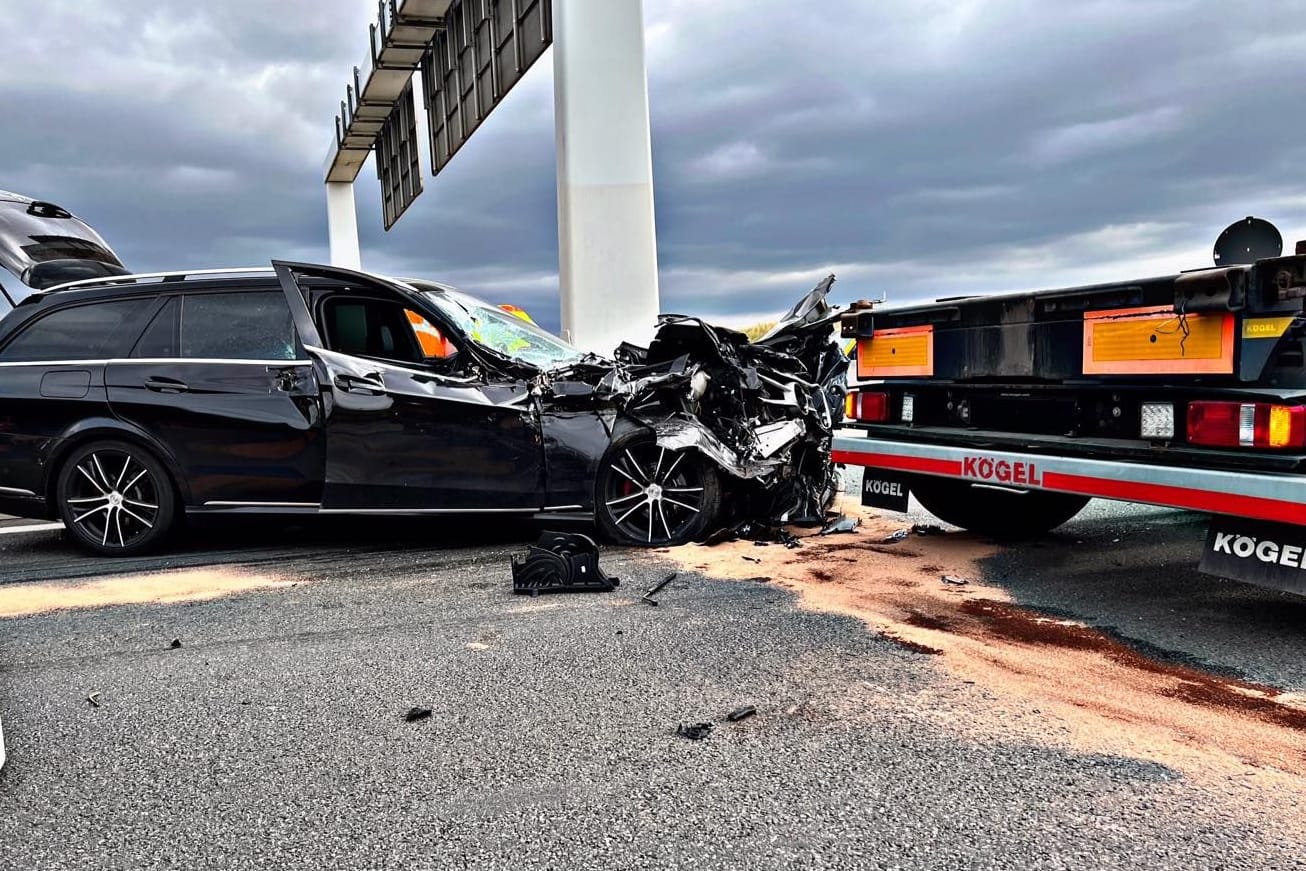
896,352
1157,341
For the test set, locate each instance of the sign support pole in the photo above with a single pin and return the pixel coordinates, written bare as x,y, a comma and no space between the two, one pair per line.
607,240
342,225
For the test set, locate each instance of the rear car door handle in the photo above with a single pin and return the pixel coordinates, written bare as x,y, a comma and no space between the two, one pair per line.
159,384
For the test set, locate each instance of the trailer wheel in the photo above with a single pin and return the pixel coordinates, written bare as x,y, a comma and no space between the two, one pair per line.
999,513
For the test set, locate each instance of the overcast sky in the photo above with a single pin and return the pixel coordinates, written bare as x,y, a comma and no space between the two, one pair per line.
919,149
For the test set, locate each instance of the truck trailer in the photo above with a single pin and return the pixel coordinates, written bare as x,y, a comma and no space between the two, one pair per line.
1005,414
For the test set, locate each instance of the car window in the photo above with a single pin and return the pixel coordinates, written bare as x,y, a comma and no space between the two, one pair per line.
236,326
375,328
84,332
160,338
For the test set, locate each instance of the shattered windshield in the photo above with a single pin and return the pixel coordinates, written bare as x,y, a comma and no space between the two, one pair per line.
502,331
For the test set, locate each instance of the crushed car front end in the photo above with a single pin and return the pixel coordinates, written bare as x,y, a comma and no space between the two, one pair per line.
756,416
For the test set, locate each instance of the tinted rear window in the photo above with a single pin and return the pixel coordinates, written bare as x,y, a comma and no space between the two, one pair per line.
84,332
237,326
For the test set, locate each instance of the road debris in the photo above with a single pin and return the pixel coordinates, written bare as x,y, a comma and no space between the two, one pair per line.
695,731
895,537
416,713
176,642
760,534
954,580
927,529
842,523
94,699
561,562
741,713
647,598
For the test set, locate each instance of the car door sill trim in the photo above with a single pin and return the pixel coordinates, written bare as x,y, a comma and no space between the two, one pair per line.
15,491
429,511
223,504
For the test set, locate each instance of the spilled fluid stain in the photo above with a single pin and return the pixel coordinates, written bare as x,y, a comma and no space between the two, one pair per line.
1017,625
928,621
913,646
1092,692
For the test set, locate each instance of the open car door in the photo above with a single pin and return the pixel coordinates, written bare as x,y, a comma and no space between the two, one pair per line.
409,430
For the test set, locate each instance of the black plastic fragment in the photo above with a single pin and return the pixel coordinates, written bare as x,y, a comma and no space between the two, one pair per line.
695,731
561,562
648,594
741,713
927,529
721,536
416,713
176,642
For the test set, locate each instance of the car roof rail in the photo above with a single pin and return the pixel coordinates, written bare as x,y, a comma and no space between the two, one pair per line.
159,277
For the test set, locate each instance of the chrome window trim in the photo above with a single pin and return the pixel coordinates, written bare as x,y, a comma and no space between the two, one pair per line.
225,361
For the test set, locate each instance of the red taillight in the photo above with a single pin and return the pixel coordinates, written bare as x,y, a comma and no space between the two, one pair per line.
1246,425
871,407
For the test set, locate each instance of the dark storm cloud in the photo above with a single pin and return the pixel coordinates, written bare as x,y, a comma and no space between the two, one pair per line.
930,148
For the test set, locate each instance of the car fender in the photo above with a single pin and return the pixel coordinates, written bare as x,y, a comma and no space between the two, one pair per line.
680,432
101,427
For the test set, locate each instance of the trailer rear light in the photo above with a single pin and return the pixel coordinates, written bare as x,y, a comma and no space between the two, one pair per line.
872,407
1246,425
1287,426
1157,421
908,408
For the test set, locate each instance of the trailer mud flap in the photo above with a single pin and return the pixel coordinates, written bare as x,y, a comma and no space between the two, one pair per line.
1255,552
882,489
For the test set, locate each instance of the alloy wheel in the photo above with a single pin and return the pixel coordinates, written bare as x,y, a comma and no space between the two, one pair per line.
113,499
653,495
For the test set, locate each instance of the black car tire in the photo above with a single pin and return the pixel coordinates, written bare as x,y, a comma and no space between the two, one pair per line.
115,498
997,513
682,507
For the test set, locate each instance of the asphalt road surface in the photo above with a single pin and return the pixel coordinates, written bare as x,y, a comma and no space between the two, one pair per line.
274,735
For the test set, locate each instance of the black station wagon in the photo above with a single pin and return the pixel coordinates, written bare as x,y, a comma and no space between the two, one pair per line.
128,401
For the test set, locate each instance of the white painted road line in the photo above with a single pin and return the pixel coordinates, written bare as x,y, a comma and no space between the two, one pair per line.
30,527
